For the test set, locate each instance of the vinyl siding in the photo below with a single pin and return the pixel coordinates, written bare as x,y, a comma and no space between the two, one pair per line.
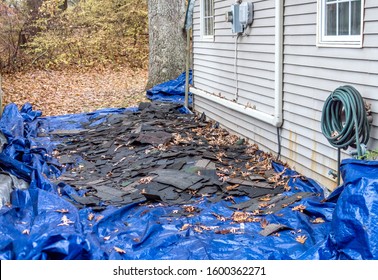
214,62
310,74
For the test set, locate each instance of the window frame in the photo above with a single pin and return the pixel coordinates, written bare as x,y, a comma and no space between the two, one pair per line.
204,36
341,41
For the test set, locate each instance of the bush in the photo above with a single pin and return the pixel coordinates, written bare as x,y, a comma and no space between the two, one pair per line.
88,33
11,26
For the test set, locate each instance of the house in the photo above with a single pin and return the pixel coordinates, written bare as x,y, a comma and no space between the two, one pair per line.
269,83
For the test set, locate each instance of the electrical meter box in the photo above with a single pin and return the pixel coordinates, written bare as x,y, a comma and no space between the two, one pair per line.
240,16
236,26
246,14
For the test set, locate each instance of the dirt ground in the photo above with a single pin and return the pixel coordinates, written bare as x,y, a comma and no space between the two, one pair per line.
75,91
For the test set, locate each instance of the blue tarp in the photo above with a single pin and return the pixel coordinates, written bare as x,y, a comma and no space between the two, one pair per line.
41,224
171,91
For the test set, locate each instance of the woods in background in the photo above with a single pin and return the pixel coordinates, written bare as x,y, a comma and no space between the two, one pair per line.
58,33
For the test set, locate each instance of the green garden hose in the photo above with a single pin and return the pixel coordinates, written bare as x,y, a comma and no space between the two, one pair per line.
344,119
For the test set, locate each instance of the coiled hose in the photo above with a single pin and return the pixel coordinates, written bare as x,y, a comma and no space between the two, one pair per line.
344,119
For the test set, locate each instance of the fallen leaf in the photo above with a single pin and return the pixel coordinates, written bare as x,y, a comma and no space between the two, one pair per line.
299,208
185,227
119,250
301,239
223,231
257,212
65,221
245,174
263,205
235,230
232,187
63,211
287,187
189,209
219,217
230,198
223,170
208,228
145,180
264,223
90,216
265,198
334,134
318,221
99,218
240,217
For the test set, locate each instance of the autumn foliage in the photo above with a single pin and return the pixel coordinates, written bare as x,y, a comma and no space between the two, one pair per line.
54,34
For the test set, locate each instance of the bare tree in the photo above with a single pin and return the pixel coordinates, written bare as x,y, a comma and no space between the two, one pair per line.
167,40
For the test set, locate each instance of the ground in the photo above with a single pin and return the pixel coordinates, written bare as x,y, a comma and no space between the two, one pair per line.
75,91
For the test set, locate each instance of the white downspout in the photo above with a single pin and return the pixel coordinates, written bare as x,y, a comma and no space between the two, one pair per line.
236,63
278,67
276,119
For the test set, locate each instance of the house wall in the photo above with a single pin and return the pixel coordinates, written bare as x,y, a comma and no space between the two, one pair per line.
214,62
310,74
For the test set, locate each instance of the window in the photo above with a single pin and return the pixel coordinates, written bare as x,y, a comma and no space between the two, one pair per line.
207,19
340,23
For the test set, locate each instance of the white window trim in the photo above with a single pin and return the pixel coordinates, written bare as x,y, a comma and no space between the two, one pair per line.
204,37
337,41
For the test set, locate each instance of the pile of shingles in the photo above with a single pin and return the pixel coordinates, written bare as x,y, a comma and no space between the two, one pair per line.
160,155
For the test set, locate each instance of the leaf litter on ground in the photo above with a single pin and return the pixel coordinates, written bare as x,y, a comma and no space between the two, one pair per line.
73,91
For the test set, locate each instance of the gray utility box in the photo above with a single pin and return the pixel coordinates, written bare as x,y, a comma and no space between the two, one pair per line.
241,16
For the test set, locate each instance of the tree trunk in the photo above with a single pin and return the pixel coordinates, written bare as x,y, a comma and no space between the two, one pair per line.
167,40
64,5
33,6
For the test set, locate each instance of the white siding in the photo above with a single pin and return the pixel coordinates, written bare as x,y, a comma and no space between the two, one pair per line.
214,62
310,74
